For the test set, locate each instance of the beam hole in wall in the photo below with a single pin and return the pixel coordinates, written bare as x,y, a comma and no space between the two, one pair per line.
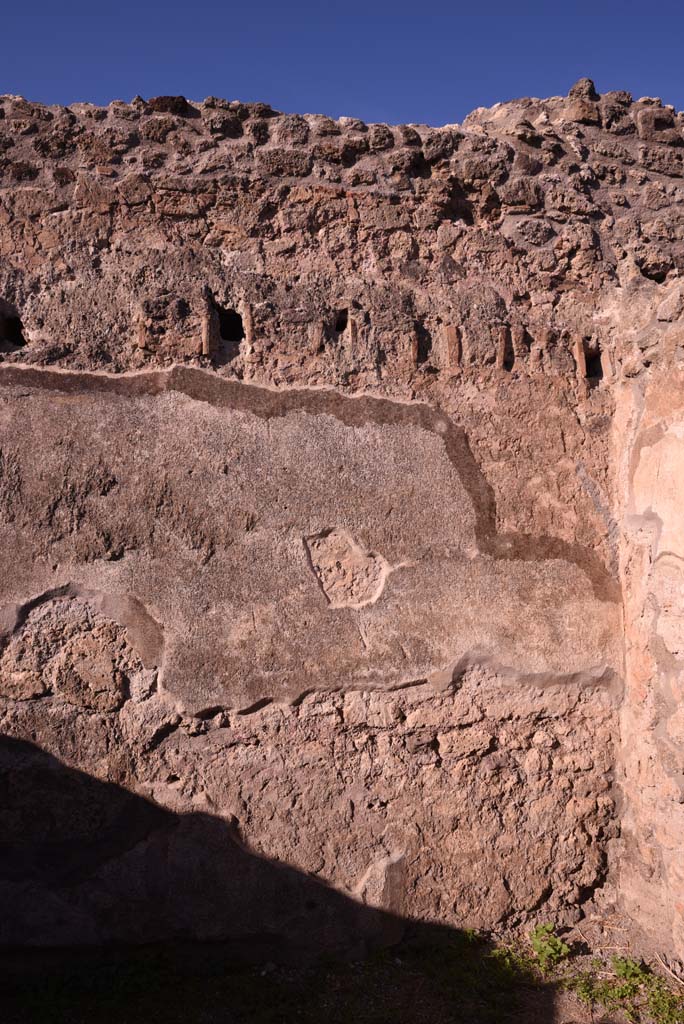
522,341
424,343
508,353
592,358
341,321
11,327
231,327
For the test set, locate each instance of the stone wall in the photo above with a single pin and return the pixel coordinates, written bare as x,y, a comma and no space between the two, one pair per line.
338,519
652,879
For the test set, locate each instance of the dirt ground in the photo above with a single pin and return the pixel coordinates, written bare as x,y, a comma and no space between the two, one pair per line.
464,981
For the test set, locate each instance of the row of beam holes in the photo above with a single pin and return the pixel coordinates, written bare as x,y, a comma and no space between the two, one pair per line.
232,331
592,357
591,346
231,327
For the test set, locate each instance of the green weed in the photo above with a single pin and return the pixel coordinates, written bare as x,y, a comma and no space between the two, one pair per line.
549,948
633,991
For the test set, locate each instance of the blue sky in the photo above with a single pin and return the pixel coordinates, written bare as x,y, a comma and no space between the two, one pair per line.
418,62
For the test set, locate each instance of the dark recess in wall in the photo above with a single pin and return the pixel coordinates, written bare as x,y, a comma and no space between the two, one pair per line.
11,327
231,327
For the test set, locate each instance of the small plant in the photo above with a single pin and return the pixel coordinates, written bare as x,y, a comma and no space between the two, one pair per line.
634,991
511,966
663,1005
550,950
631,970
583,985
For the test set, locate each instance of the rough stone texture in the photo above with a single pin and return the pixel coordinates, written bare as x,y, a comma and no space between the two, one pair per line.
339,518
652,716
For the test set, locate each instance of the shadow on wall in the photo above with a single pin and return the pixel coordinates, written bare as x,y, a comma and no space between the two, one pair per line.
84,863
87,862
